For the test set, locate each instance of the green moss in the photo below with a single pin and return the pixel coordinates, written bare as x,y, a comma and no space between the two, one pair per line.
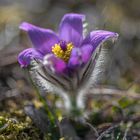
12,128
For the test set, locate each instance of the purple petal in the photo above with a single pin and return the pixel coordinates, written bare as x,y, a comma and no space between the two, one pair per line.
71,28
95,38
75,58
87,51
80,56
42,39
55,64
27,55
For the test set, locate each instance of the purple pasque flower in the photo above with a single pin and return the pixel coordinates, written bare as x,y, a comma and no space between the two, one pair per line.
67,52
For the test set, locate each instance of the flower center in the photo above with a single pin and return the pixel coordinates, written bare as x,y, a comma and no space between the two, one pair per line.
62,50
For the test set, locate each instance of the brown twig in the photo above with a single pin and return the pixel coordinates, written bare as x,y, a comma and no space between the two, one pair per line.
107,131
129,124
114,92
93,129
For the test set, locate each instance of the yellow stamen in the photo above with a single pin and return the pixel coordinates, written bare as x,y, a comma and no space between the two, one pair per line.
60,53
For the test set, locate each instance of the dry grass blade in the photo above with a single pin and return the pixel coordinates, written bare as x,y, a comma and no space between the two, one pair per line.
114,93
129,124
107,131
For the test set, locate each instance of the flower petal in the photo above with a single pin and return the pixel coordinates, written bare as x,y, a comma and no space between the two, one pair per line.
80,56
95,38
71,28
55,64
42,39
75,58
87,51
25,56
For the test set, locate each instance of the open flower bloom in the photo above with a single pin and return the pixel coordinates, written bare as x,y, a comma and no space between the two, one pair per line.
67,56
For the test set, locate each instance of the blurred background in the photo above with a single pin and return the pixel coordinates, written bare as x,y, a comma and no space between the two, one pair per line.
121,16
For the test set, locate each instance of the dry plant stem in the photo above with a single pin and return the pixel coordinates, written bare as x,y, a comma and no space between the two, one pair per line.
137,80
114,92
108,131
93,128
129,124
112,136
60,129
